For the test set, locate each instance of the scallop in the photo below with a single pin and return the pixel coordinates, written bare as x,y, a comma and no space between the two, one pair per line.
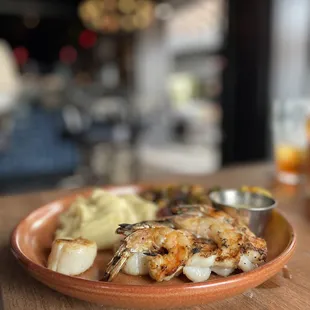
72,256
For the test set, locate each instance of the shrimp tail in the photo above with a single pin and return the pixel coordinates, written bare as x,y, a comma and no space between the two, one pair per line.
126,229
116,263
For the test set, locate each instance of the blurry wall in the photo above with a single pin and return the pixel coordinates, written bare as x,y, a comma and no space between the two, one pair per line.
290,48
151,65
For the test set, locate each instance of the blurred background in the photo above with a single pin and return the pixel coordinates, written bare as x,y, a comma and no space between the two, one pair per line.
116,91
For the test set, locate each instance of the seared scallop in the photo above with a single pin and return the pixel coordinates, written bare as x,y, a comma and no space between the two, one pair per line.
72,257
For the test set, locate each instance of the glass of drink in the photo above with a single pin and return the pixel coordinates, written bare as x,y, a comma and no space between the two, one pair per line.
290,139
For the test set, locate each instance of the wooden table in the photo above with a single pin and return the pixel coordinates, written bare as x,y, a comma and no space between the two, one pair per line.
20,291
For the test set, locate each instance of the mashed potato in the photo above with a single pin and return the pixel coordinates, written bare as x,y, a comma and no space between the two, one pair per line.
97,217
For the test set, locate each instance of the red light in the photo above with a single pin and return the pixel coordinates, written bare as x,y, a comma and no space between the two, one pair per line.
87,39
68,54
21,54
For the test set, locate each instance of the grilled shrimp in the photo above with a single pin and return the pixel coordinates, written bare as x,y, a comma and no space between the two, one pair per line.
204,261
238,246
254,250
165,250
222,243
198,267
200,264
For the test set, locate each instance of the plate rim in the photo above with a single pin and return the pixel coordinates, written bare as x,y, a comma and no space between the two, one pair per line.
219,282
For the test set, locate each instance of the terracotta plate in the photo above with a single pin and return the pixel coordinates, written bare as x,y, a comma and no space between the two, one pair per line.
32,238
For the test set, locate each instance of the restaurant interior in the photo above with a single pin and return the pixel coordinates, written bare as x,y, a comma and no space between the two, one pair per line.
154,154
111,92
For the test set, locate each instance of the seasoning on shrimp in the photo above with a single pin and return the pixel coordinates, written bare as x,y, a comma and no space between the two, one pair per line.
166,251
238,246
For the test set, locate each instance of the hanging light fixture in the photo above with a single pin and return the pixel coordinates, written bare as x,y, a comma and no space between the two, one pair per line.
110,16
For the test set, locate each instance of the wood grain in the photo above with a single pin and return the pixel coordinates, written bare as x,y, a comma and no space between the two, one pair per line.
19,291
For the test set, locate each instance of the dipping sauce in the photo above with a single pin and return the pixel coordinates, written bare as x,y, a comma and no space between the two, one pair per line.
242,207
257,190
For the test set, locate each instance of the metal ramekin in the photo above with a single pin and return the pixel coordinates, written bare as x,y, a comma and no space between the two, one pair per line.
256,216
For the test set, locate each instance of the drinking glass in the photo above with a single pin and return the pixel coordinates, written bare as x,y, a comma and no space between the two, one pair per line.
289,138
